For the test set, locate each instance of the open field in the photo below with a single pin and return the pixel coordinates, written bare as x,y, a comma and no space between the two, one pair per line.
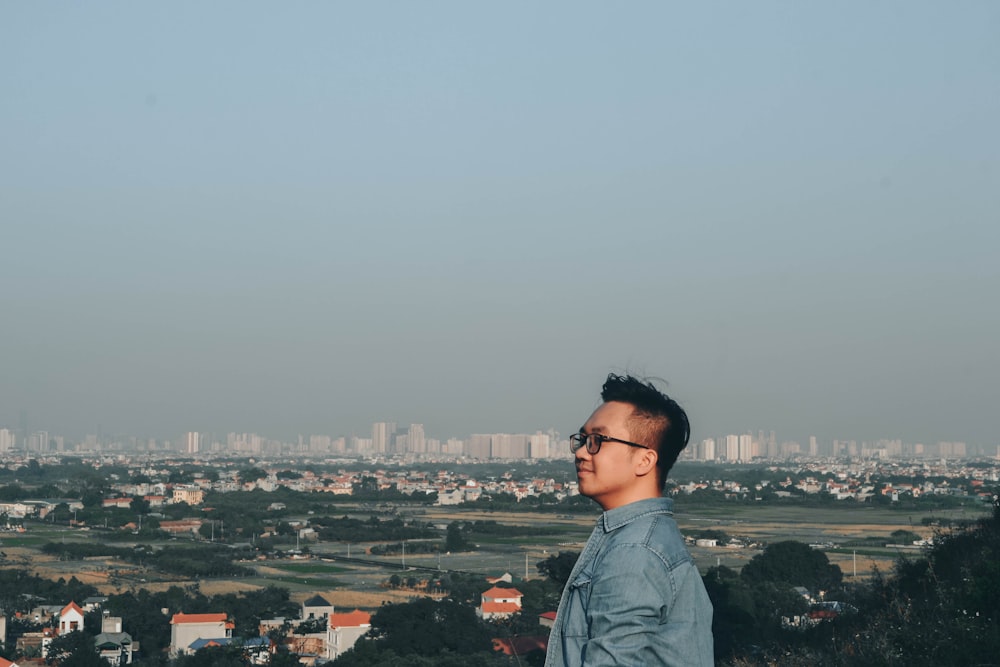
351,584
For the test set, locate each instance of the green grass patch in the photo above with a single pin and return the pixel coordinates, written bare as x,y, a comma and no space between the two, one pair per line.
310,568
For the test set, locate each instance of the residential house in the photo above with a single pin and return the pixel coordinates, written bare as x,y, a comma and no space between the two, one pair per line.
70,618
184,493
185,629
93,602
113,644
316,607
181,526
345,630
121,503
499,603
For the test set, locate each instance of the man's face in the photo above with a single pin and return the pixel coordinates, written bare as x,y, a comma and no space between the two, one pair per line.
608,477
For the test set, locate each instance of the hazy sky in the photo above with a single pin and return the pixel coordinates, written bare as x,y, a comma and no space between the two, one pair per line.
305,217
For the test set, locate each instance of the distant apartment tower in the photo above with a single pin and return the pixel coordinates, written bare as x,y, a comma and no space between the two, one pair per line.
454,446
509,446
813,446
38,441
320,444
479,446
362,445
746,448
952,450
732,448
707,452
192,442
7,440
244,442
415,440
538,446
382,433
772,445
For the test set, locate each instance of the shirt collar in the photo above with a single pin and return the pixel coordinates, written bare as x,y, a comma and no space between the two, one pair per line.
615,518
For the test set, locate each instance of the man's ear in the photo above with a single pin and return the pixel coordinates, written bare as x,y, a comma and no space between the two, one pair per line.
646,463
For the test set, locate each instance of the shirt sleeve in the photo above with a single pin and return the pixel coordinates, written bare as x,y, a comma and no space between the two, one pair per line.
631,613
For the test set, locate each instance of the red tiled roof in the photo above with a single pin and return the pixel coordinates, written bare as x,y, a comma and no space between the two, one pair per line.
351,619
72,606
497,592
500,607
198,618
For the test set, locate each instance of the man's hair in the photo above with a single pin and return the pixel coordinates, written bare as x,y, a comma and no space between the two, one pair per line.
657,420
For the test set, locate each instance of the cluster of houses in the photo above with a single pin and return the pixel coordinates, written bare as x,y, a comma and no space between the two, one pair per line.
334,633
318,635
841,486
112,643
451,487
843,480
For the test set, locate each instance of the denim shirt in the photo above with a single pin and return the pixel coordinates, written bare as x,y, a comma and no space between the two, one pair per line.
634,596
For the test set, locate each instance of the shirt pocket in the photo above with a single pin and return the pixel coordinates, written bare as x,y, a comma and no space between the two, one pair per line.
579,602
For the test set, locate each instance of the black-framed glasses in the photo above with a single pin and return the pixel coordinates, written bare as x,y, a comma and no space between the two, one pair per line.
593,442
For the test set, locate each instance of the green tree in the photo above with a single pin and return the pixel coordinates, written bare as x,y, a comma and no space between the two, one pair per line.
793,563
140,505
428,628
251,475
455,539
558,567
904,537
74,649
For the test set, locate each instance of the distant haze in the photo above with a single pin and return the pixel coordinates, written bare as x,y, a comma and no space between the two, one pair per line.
240,216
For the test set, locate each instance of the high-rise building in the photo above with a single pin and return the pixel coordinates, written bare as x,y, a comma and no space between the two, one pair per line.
415,440
320,444
454,446
479,446
732,448
707,452
509,446
362,445
245,442
538,446
7,440
38,441
192,442
382,433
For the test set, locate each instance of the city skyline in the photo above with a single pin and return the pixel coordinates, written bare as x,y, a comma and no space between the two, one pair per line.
465,216
390,439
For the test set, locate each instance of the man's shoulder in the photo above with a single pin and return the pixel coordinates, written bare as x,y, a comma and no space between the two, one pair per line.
649,527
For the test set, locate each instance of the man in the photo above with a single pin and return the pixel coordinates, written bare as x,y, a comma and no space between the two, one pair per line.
634,596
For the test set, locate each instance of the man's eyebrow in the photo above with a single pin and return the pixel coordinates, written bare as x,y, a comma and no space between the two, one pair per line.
596,429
